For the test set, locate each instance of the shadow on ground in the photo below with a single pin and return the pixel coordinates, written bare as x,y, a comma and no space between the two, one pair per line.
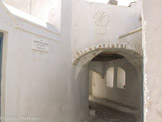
106,114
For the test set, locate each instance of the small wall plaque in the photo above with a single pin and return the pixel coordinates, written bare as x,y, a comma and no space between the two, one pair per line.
40,44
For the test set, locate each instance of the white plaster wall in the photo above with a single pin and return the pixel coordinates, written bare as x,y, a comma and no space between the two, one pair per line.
43,84
81,95
38,83
130,96
24,5
121,20
152,44
46,10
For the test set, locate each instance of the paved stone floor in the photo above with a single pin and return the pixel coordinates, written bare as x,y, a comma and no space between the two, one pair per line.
106,114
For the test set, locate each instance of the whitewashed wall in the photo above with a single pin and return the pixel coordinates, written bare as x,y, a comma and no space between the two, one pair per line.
46,10
152,43
120,20
44,84
38,83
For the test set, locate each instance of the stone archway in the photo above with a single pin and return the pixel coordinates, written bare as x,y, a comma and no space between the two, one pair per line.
132,52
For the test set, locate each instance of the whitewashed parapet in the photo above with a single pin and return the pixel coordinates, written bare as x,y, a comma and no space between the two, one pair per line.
28,23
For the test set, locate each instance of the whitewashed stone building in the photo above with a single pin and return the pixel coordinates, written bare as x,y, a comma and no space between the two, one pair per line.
56,55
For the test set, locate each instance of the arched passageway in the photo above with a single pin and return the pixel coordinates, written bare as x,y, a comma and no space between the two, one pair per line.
115,82
132,52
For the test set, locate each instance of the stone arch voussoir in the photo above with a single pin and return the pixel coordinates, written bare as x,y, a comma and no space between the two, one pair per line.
132,52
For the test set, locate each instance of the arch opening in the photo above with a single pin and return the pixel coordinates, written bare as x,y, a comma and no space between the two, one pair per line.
115,81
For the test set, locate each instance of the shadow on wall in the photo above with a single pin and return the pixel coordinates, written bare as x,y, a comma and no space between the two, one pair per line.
120,83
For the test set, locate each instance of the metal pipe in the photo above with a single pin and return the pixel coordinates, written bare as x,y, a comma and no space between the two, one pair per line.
130,33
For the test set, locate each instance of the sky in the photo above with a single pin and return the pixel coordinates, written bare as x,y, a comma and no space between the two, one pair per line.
120,2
